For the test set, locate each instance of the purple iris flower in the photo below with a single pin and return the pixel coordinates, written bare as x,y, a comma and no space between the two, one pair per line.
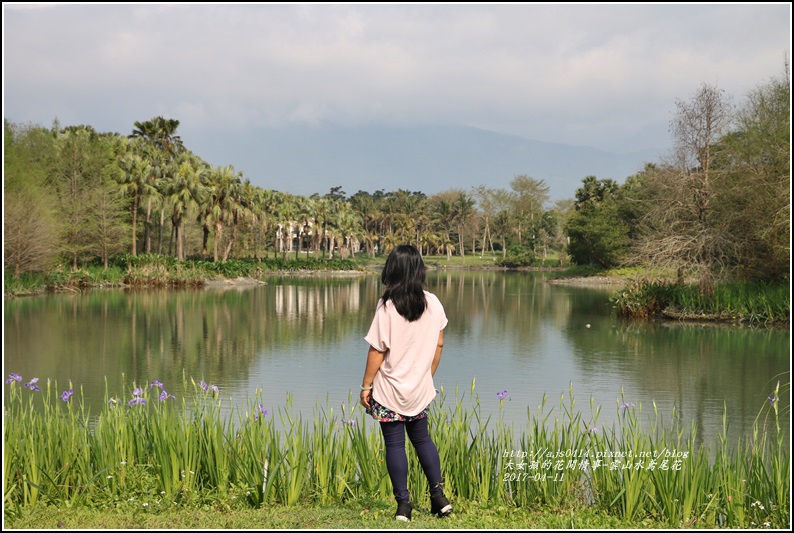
13,377
771,399
156,383
138,399
204,385
349,422
32,384
502,395
593,430
260,411
625,407
65,395
164,396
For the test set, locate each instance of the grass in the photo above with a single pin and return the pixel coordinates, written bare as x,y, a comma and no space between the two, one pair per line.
364,514
155,270
155,450
753,303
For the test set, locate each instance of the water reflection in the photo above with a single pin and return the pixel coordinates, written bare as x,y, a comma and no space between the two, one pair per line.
510,331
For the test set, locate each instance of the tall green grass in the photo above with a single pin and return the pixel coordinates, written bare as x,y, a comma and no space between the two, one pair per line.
754,303
155,444
157,270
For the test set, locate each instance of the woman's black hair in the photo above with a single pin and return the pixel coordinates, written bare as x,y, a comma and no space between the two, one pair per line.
404,277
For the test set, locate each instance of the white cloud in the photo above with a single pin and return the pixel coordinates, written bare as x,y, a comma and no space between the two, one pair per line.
545,71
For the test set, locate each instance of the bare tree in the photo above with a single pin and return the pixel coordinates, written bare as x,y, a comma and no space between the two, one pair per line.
681,230
30,234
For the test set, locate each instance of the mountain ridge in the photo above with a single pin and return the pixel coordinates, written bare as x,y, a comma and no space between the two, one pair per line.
305,160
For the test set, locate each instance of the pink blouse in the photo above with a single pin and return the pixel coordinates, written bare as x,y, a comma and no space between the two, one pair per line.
404,382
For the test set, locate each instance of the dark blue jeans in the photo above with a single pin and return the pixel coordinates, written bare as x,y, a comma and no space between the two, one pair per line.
397,460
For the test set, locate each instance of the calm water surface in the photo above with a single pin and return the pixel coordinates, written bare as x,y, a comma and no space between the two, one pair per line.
304,337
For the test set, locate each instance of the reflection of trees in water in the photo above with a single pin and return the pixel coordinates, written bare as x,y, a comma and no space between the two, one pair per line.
210,334
692,366
313,304
680,365
485,304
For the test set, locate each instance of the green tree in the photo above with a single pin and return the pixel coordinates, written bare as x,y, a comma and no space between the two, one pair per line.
85,160
755,199
596,232
30,229
108,229
530,198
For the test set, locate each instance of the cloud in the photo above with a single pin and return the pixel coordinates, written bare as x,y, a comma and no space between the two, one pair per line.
583,74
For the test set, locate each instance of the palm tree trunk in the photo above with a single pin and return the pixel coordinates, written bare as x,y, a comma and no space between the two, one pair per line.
231,242
160,231
178,237
218,237
204,241
134,224
148,231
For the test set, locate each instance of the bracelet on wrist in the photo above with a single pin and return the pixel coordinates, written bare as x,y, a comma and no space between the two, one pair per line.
367,388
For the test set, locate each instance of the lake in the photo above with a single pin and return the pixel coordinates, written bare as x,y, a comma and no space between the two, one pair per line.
303,337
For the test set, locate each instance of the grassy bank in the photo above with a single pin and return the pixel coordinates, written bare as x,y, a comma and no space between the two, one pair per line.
153,270
643,294
161,448
750,303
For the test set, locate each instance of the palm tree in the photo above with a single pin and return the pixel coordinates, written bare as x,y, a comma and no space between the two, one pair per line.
286,209
162,146
216,212
347,226
366,206
388,242
463,209
240,209
186,191
161,132
304,212
322,211
444,216
447,246
136,182
262,217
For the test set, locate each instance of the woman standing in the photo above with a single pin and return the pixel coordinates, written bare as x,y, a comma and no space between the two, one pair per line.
406,338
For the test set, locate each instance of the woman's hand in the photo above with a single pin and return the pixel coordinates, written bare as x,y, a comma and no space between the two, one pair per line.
374,360
365,397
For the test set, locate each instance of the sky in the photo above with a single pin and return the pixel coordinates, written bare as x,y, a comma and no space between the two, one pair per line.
605,76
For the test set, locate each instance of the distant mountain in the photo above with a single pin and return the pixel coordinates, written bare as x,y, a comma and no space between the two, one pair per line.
305,160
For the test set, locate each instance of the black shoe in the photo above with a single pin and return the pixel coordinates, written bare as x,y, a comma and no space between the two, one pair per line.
439,505
403,513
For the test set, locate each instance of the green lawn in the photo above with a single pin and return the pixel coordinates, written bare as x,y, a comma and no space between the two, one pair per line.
356,514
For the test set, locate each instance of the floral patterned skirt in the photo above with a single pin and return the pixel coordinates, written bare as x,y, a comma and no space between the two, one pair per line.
384,414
